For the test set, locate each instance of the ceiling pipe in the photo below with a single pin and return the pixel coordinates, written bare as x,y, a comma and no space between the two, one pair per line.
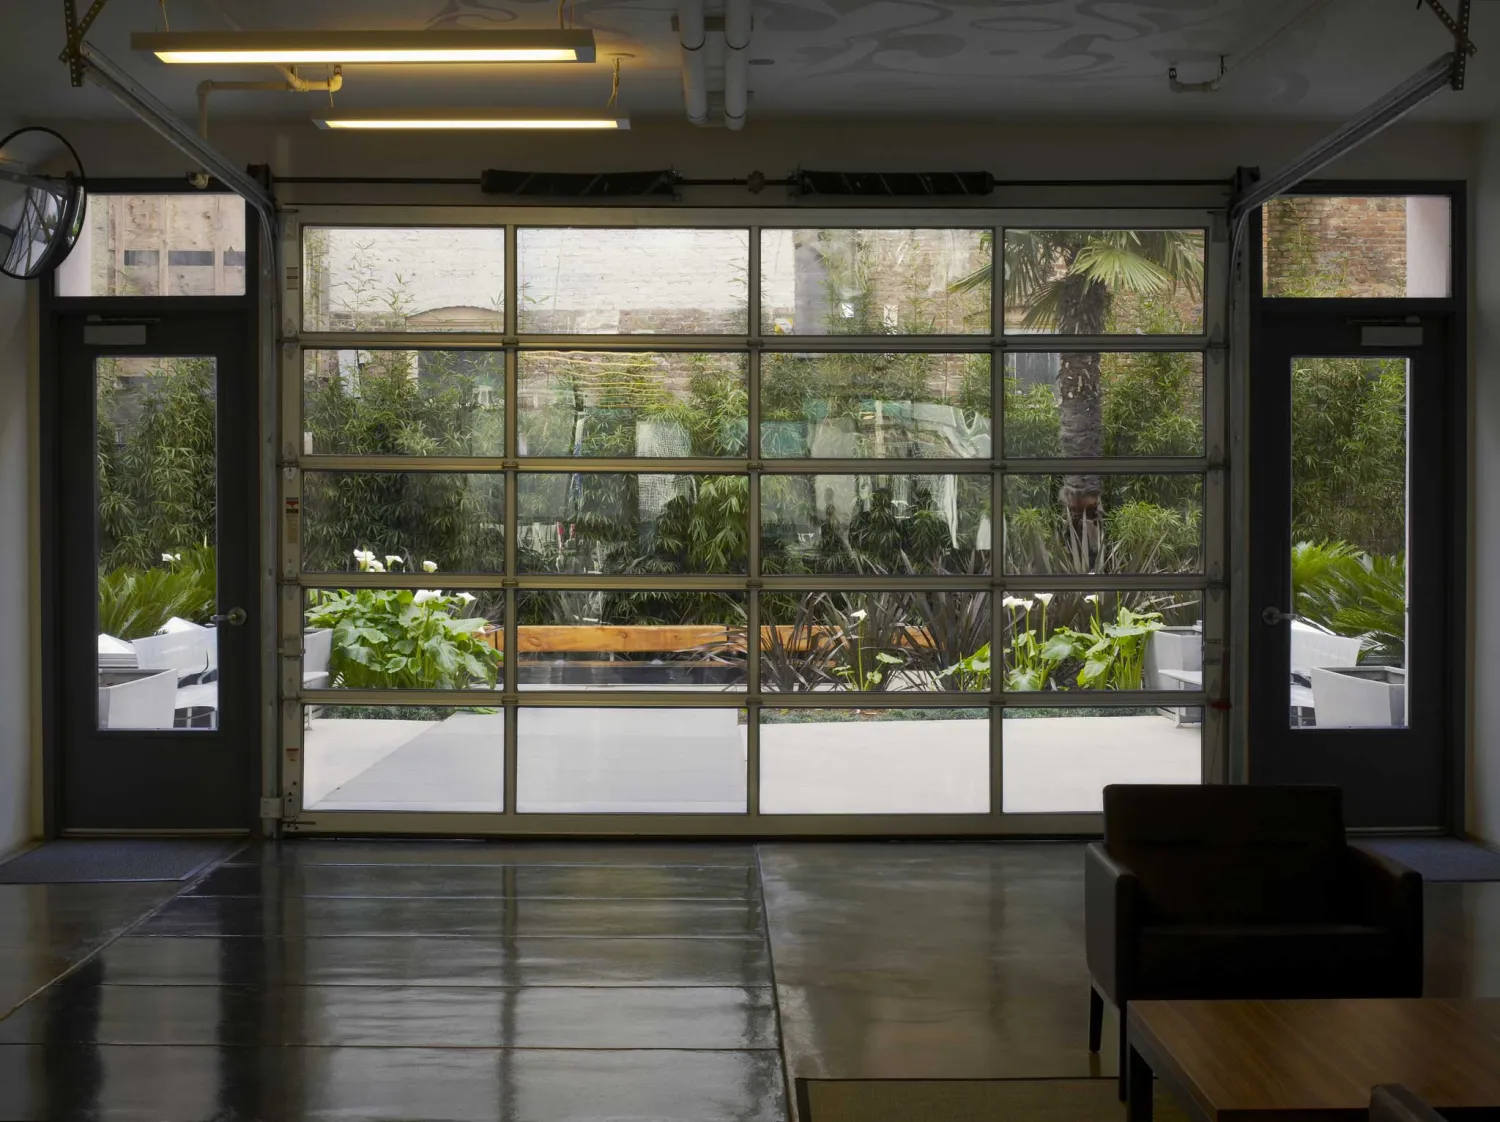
289,82
1228,63
737,24
694,39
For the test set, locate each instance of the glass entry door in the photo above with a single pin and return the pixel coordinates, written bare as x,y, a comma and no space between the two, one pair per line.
1349,546
158,722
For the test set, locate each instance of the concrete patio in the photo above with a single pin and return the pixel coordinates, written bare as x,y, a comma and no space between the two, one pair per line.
687,761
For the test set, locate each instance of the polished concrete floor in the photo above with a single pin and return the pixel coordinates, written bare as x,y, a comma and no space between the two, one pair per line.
389,980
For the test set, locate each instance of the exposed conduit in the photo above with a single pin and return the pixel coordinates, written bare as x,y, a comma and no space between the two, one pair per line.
694,79
736,62
1231,63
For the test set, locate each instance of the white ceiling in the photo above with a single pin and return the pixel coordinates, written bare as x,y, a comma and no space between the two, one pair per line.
875,58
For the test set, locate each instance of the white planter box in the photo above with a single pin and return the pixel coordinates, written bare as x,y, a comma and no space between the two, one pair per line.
1359,696
137,699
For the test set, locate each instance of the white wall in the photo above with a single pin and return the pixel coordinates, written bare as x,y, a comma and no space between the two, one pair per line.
16,748
1484,779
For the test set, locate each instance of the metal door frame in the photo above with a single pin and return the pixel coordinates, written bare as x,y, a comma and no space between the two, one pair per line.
58,523
1445,438
1212,467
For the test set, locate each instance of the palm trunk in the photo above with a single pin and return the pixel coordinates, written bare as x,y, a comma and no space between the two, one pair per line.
1084,310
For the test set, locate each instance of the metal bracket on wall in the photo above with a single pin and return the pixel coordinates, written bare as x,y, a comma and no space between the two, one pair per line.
76,31
1348,136
1459,27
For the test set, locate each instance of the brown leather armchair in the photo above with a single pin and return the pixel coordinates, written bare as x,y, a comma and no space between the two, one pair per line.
1223,892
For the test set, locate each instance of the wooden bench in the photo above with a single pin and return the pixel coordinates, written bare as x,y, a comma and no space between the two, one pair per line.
665,638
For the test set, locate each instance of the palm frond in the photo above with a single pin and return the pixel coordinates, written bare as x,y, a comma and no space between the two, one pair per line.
1119,265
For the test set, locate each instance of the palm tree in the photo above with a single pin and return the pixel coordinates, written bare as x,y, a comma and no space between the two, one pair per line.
1065,281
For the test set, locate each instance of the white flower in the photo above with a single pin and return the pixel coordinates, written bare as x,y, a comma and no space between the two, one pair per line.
1013,602
1026,605
1091,598
429,566
425,594
859,615
466,597
364,557
392,560
374,566
1045,598
167,557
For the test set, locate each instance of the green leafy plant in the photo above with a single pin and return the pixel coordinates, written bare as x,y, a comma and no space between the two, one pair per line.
971,672
404,639
155,447
1033,653
1113,654
1349,592
136,602
868,667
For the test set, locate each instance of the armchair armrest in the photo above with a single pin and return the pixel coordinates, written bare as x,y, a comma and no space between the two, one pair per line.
1112,921
1391,1102
1386,894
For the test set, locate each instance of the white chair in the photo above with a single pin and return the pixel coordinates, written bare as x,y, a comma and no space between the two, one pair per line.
317,649
1314,647
1174,661
189,648
137,699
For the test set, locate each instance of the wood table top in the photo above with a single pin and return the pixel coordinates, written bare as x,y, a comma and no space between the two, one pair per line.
1249,1059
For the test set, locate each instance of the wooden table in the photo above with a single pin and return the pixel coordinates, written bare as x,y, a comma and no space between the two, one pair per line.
1273,1061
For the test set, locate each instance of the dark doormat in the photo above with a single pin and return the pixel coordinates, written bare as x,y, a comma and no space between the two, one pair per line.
969,1100
1439,859
114,860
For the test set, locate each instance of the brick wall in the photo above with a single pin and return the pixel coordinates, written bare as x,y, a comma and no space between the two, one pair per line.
1317,246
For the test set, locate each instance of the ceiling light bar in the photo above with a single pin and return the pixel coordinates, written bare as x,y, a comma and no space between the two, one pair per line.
476,119
353,48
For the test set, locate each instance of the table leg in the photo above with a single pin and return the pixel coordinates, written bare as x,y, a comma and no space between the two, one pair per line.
1139,1088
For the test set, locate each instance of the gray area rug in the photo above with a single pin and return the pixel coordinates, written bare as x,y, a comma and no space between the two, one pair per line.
1439,859
969,1100
104,861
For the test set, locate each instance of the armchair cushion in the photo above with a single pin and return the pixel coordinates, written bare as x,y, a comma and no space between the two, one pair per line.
1229,855
1263,961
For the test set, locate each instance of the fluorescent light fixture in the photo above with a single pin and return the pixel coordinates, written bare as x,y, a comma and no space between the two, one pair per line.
476,119
353,48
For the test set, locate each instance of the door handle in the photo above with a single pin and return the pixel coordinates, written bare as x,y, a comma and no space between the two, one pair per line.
234,617
1271,616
